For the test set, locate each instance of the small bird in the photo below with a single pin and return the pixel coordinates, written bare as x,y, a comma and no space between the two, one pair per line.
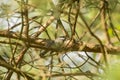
56,44
59,42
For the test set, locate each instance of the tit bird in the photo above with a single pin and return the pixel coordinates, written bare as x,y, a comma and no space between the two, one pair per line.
56,44
59,42
63,42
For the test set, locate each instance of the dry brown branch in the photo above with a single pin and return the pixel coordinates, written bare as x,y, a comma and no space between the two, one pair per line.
76,46
6,65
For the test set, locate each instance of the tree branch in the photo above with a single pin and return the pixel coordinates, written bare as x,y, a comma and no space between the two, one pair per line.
76,46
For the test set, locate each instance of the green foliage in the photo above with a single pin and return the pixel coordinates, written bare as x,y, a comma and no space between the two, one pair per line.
113,73
4,10
41,5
